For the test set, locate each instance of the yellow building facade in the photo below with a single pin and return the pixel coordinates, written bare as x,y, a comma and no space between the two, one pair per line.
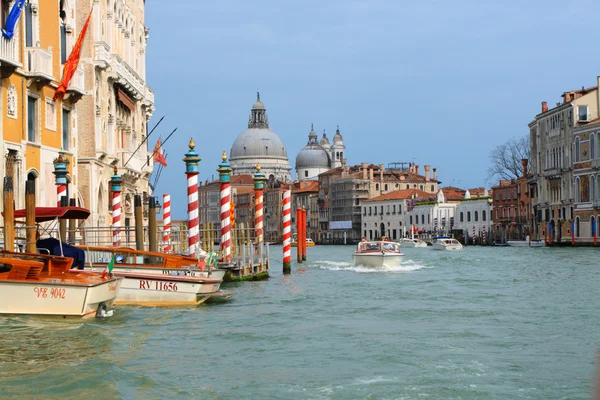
35,128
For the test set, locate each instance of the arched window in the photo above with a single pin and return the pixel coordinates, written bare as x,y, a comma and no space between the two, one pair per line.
63,31
476,216
483,215
377,186
386,187
468,216
407,186
577,146
592,147
462,217
577,190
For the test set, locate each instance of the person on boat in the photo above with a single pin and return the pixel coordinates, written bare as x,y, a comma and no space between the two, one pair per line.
361,246
384,239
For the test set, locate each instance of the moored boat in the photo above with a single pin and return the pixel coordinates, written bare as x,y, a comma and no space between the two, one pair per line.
446,243
526,243
36,284
378,254
408,242
309,242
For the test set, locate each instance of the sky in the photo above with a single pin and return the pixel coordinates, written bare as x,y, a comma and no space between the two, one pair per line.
440,83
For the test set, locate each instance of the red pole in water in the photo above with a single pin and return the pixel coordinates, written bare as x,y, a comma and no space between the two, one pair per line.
299,235
304,234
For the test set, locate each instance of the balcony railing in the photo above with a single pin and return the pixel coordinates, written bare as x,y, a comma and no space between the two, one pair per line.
39,63
102,54
9,51
128,77
77,83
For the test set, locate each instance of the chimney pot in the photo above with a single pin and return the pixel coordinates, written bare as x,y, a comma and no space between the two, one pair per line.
435,174
427,168
544,106
417,169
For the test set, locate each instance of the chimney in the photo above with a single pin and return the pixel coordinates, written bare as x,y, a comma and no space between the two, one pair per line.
544,106
568,97
371,173
364,170
417,169
434,174
381,167
524,164
427,168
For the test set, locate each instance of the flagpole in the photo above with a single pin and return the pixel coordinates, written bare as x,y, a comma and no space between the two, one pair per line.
158,173
161,145
144,141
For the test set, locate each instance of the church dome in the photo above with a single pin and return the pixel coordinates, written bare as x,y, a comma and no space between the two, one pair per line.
258,142
313,155
337,138
324,141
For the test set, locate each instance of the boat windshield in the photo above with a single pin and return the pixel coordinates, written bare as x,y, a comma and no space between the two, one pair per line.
378,246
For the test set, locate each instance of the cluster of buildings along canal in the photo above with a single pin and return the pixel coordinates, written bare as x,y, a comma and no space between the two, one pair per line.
101,124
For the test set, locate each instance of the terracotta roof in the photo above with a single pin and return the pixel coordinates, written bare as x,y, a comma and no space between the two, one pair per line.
243,190
402,195
477,192
312,187
453,193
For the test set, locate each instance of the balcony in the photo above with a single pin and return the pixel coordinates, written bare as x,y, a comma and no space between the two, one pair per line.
77,84
9,55
137,166
102,54
38,65
128,78
552,173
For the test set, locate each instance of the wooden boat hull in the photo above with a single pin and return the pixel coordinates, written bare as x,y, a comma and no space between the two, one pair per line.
60,299
215,273
378,260
165,290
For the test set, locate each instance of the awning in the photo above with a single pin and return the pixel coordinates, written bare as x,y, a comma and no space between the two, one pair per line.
125,99
43,214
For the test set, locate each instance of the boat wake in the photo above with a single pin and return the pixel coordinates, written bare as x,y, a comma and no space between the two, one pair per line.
406,266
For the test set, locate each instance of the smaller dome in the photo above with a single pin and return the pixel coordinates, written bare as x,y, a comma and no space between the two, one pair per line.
337,137
324,141
312,156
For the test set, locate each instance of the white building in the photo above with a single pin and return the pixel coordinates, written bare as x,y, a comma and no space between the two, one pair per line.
313,159
386,214
474,211
260,145
436,216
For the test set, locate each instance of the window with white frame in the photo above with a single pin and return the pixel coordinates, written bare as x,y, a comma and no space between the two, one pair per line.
32,119
577,148
50,115
583,113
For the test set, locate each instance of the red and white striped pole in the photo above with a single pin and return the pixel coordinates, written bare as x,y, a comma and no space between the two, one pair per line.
166,223
484,236
259,180
473,235
224,171
287,231
115,182
191,170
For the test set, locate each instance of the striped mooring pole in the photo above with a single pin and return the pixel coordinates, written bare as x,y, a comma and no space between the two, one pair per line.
116,182
191,170
166,223
224,171
287,232
60,173
259,181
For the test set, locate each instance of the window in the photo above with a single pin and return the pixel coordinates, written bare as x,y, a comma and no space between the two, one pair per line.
31,119
386,187
411,220
394,209
369,210
476,216
365,211
583,113
306,174
421,187
377,186
399,208
483,215
468,216
432,188
577,146
375,210
381,210
28,25
462,217
422,219
592,147
577,227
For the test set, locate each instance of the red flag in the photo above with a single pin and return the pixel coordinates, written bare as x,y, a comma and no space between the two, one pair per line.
158,154
72,62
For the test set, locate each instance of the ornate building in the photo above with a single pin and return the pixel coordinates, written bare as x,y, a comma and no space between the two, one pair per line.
260,145
35,128
117,107
313,159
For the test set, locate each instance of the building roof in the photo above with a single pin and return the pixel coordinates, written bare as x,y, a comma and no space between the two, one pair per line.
402,194
453,193
312,187
477,192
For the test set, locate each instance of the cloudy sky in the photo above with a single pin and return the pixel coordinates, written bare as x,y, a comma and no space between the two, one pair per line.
430,81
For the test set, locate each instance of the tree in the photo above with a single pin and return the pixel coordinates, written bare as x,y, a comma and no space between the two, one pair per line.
506,159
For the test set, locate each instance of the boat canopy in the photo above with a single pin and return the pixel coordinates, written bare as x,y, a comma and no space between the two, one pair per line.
44,214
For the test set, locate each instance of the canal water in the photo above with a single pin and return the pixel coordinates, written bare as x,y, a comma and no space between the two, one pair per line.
484,323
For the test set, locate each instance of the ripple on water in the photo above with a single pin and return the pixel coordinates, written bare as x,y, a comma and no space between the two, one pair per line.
406,266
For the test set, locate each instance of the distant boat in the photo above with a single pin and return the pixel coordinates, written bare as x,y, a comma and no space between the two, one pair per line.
309,243
406,242
446,243
526,243
378,254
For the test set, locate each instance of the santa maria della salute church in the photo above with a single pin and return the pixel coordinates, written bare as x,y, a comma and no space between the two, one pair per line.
260,145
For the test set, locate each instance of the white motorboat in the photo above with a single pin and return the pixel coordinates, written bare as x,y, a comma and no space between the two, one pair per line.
407,242
446,243
378,254
526,243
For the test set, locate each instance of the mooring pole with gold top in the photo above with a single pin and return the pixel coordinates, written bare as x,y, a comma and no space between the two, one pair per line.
191,170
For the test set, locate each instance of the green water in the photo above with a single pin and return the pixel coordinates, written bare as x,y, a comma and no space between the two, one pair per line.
484,323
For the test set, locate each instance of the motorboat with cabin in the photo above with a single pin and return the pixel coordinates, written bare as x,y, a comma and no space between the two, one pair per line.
446,243
378,254
412,242
46,285
526,243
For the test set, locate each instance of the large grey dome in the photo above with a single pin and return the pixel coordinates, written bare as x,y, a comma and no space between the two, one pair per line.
258,142
312,156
